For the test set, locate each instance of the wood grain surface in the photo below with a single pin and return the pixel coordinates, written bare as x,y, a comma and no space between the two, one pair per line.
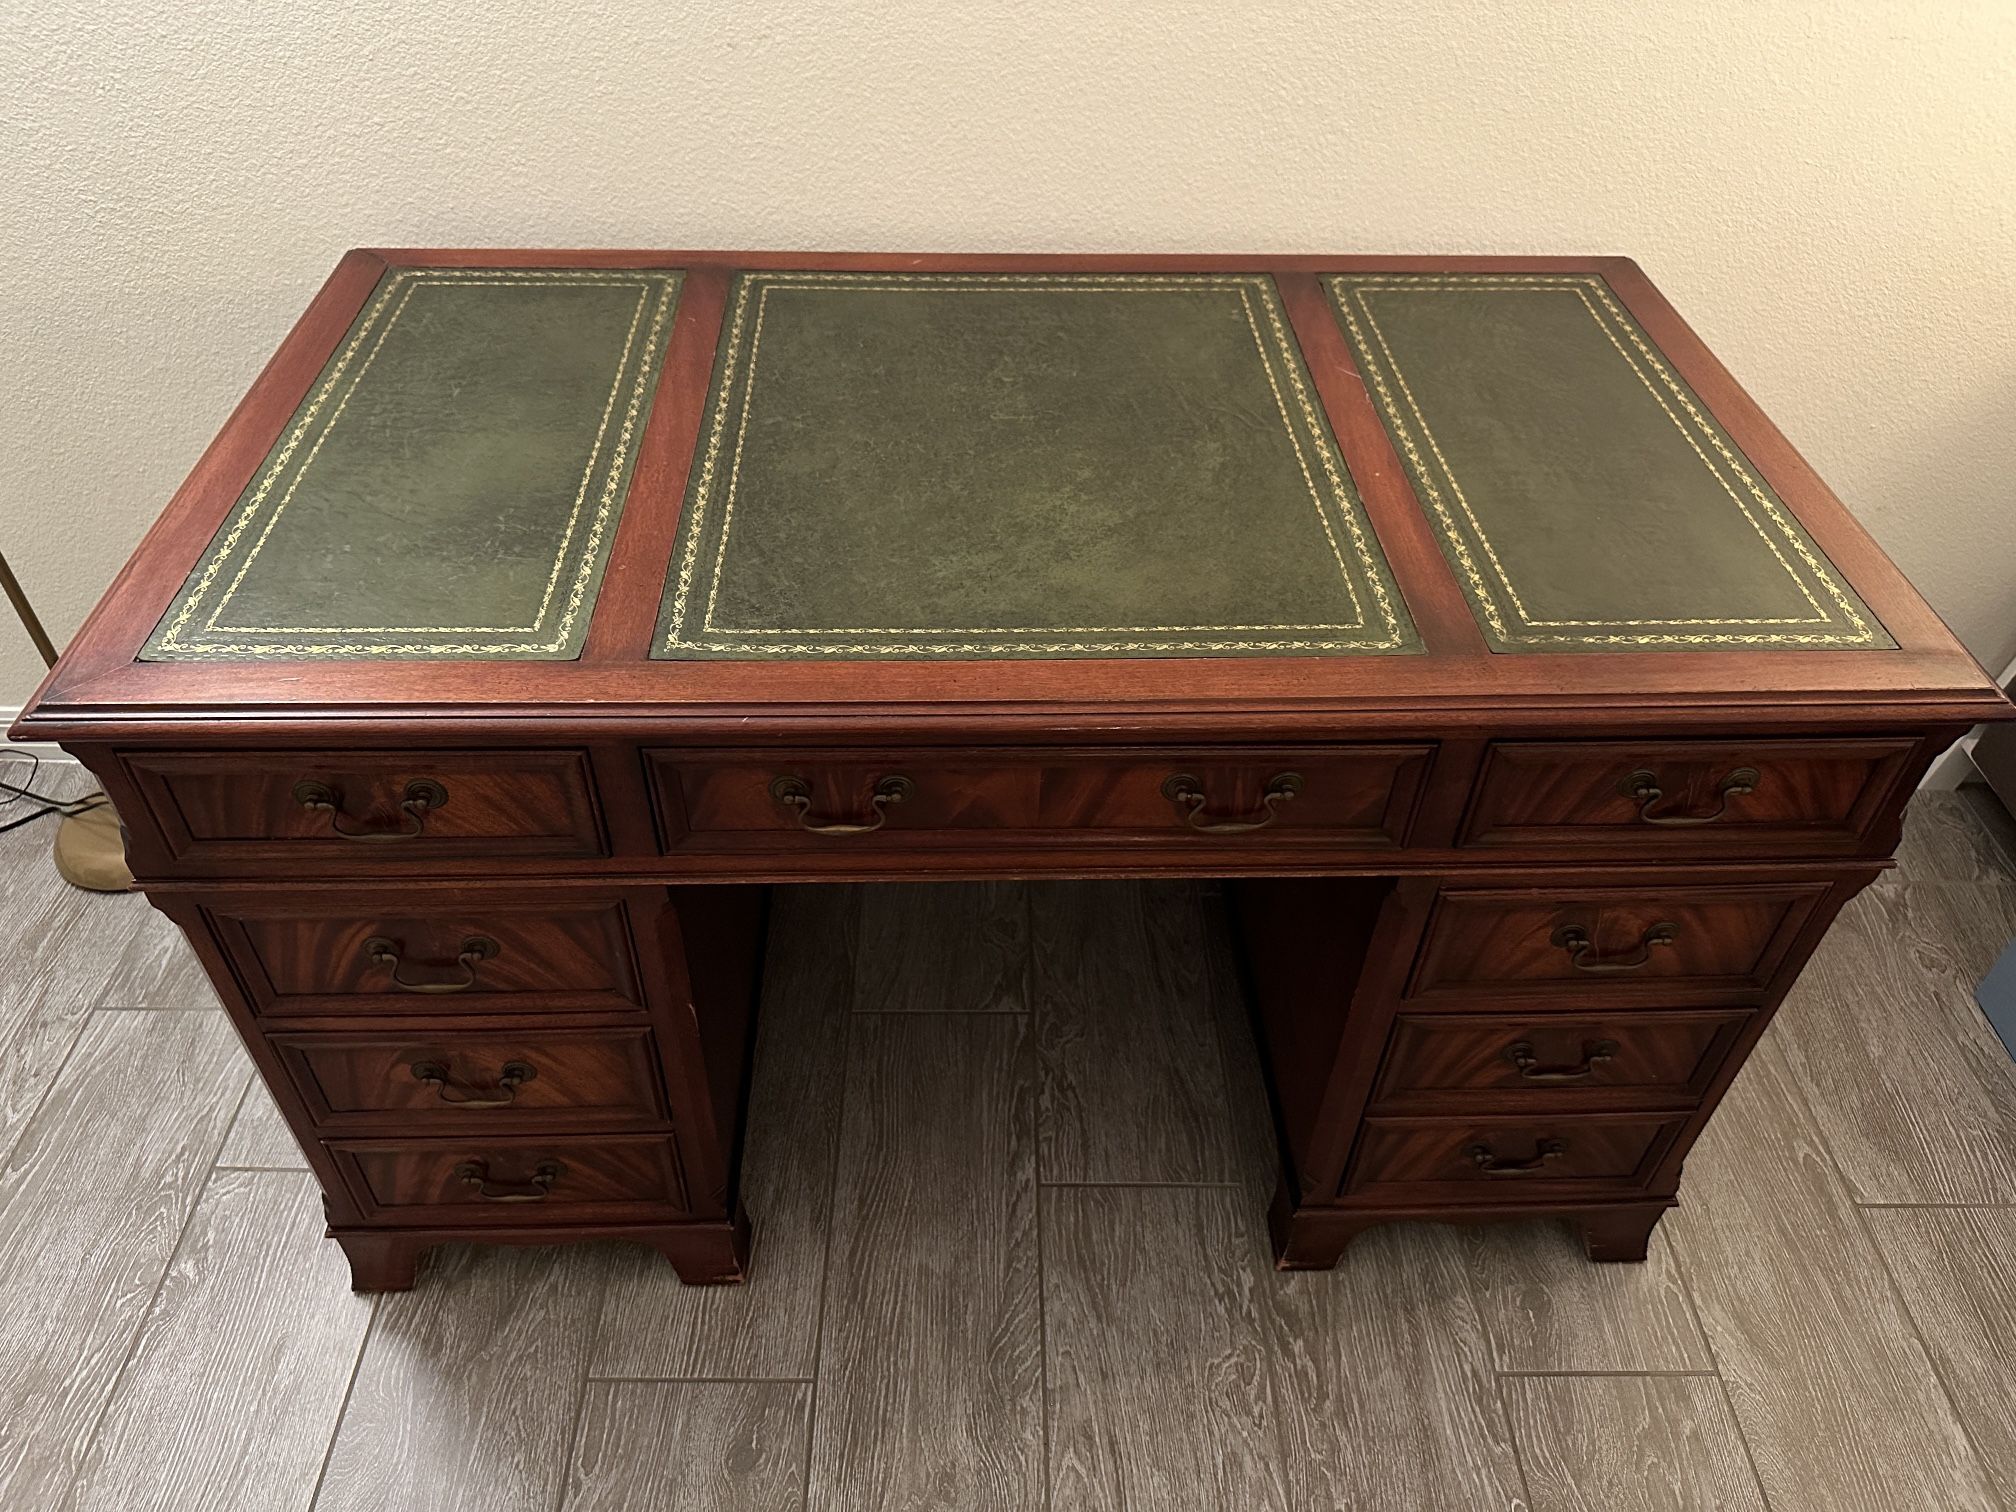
93,1201
713,1446
1622,1443
931,1350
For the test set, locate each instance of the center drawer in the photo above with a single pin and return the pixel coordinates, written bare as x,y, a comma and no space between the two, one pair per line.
835,799
486,1078
1636,944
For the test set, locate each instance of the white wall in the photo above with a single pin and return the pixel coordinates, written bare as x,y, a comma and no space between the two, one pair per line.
1825,190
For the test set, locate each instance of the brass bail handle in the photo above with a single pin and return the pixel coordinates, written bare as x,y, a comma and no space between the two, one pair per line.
422,796
1582,955
435,1074
384,952
1642,788
794,796
1187,793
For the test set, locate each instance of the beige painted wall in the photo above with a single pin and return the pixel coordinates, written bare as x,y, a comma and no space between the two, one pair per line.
1825,190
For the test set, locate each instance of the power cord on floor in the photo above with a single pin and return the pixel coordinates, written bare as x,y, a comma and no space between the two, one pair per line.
12,792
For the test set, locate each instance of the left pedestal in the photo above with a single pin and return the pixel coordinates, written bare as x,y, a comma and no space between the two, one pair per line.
524,1063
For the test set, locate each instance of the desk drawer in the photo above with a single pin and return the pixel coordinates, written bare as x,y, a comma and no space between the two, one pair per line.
1707,796
412,953
514,1180
369,810
492,1079
1356,795
1646,1056
1510,1158
1626,943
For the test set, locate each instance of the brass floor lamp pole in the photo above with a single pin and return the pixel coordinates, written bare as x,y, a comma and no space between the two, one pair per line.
89,850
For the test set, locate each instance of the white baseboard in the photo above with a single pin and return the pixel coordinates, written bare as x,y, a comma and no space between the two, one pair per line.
41,748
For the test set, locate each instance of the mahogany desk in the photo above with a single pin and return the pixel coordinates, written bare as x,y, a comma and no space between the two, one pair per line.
535,608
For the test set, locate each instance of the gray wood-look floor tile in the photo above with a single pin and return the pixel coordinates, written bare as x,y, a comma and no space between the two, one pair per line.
1545,1307
467,1391
1156,1352
655,1326
1630,1444
60,945
1384,1380
1915,1094
259,1138
1134,1085
1835,1396
943,947
157,968
239,1372
688,1446
931,1354
1956,1269
1953,837
92,1205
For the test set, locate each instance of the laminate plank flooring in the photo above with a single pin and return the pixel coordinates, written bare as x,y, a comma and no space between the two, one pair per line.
1156,1352
943,947
92,1205
930,1369
1387,1393
710,1446
1622,1443
1134,1085
238,1375
1546,1308
768,1328
1914,1092
1956,1270
58,946
468,1387
1830,1383
953,1351
259,1138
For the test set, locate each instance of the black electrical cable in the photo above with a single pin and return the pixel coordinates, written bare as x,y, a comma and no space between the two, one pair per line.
68,807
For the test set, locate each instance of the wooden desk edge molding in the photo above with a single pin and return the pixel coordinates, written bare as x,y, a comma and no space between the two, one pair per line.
536,609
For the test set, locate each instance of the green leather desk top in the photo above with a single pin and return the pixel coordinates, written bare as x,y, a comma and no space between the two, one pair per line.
975,466
1060,465
1582,493
451,484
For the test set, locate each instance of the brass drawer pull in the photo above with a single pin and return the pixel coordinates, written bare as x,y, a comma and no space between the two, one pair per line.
384,952
1574,939
794,795
1642,788
1594,1053
1187,793
1490,1163
476,1174
423,795
516,1073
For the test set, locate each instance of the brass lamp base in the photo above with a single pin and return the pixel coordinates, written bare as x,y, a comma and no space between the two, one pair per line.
91,853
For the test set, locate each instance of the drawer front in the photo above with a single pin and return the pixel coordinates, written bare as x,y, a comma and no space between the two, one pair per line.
410,955
480,1078
368,810
1639,1057
1628,943
1509,1159
514,1180
1360,796
1708,796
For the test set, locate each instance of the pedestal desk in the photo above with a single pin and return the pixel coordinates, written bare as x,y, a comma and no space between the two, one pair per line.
535,610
